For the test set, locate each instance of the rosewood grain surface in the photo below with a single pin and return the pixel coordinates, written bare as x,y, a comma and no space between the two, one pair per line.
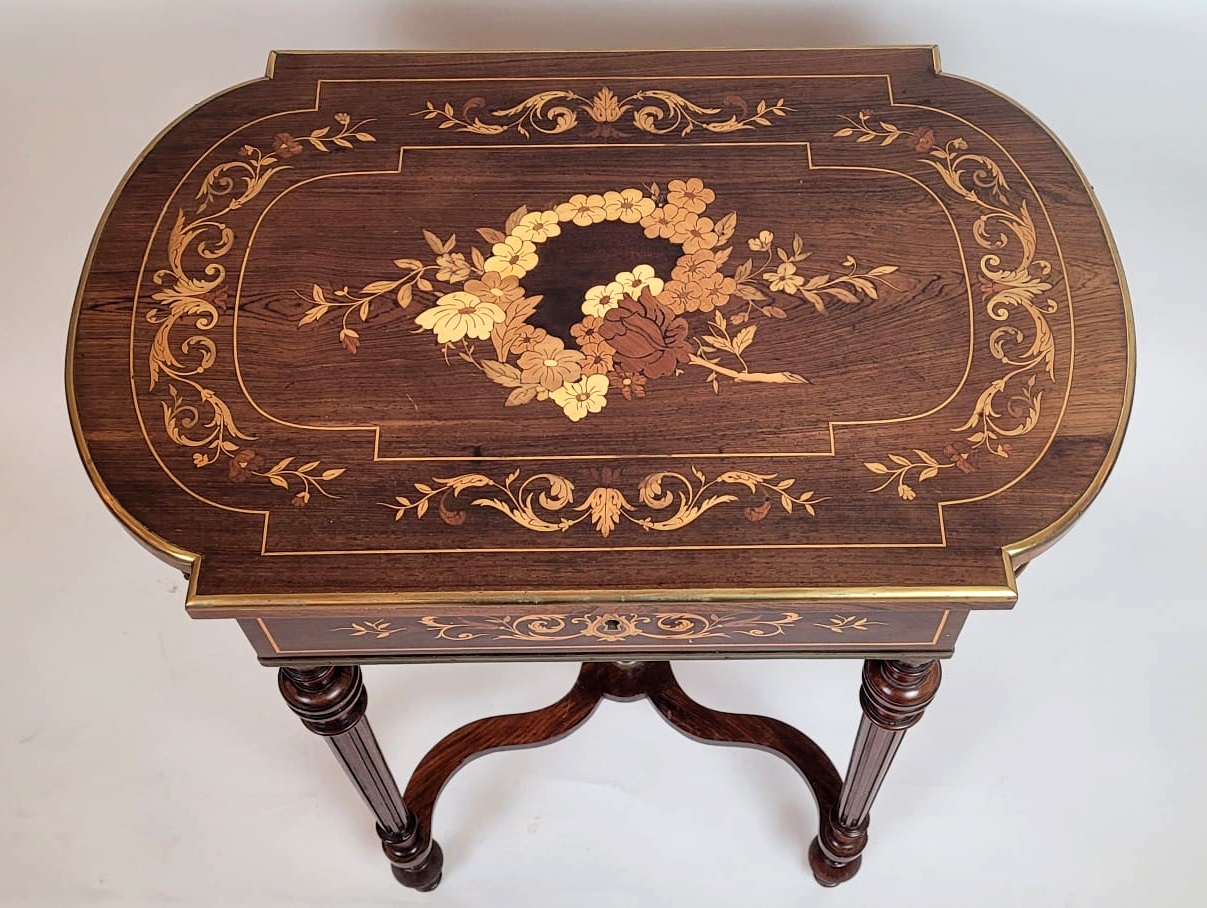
611,357
331,701
728,335
610,635
615,681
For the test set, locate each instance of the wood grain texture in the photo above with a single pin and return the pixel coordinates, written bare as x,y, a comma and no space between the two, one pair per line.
894,695
331,701
485,336
616,681
611,635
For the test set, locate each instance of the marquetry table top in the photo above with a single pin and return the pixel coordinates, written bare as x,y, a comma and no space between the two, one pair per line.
681,342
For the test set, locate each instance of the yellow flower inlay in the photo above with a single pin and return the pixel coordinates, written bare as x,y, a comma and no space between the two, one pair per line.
458,315
537,226
784,278
628,205
602,297
583,210
633,282
578,398
513,257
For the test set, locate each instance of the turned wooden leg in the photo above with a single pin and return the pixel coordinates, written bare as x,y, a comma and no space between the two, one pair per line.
331,701
893,695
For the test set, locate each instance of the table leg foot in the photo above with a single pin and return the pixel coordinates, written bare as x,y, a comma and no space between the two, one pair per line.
827,872
423,873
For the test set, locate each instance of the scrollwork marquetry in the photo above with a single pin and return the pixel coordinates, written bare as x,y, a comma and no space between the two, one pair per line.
547,503
556,111
1014,293
194,296
611,627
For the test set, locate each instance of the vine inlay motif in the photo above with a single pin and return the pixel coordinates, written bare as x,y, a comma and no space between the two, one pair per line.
378,629
611,627
840,624
558,111
638,328
546,502
193,296
1014,292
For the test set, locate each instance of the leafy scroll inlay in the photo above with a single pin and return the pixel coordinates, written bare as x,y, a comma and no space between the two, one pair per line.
193,296
611,627
546,502
840,624
378,629
1014,292
557,111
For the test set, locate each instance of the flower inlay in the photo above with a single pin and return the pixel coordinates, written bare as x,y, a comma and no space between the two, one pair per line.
639,327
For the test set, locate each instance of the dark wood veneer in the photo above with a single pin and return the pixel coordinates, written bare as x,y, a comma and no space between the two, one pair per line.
618,358
613,681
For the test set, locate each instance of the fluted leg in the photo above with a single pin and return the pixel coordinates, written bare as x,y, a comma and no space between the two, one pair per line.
331,701
893,695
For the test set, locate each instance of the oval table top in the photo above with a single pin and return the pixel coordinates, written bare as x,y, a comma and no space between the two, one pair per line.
669,344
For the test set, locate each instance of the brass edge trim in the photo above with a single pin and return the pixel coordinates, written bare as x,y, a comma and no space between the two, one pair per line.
274,55
1064,269
229,606
1013,555
266,514
1019,553
173,554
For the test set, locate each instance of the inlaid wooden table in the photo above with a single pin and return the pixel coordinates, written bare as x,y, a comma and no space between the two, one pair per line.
616,358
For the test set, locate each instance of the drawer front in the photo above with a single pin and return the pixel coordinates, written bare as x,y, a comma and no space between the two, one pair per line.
618,633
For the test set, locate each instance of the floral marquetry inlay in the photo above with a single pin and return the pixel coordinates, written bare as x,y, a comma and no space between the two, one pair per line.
377,629
702,318
609,627
603,355
840,624
700,293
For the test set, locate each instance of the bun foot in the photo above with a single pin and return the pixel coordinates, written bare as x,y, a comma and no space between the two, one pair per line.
827,872
426,876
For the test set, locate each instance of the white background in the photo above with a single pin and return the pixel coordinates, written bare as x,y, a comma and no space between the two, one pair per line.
146,759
